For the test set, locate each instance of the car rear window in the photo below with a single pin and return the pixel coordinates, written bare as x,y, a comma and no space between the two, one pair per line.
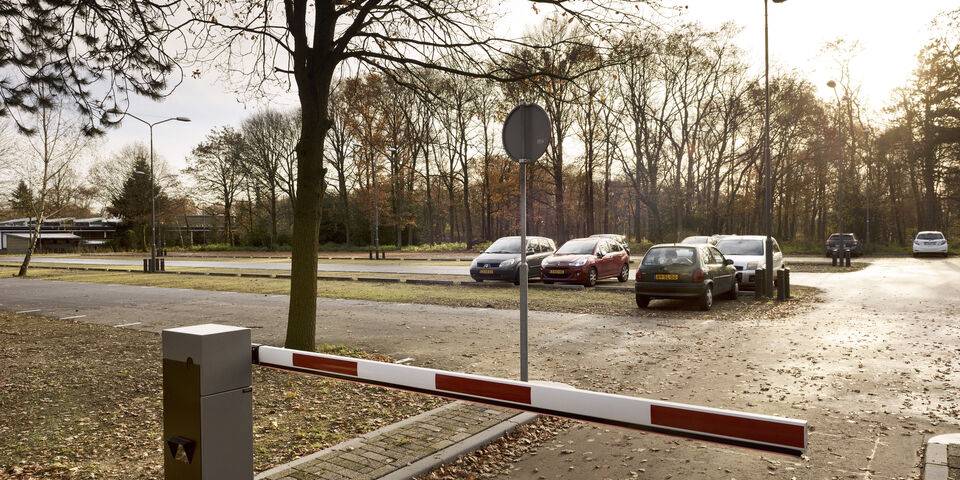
930,236
737,246
845,237
669,256
695,240
577,247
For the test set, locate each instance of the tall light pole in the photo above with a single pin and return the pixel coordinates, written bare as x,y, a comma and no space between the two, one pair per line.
767,183
833,85
153,195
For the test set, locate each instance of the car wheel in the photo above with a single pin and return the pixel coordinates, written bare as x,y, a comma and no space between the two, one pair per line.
643,301
734,291
478,280
706,300
591,277
516,278
624,273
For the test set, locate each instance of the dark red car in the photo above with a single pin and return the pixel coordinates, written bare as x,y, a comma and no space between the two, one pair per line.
586,260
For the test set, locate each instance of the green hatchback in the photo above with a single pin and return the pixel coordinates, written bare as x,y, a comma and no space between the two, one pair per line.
695,271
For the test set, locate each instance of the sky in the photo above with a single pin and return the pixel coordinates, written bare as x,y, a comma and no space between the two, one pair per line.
891,34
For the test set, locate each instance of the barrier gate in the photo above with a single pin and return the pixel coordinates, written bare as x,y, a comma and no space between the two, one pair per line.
207,401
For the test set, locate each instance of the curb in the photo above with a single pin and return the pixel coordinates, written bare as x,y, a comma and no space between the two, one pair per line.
937,459
468,445
426,463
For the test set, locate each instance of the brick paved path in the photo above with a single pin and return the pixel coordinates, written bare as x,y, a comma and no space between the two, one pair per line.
394,447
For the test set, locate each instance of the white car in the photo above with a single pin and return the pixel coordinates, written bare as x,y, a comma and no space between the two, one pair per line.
930,242
748,254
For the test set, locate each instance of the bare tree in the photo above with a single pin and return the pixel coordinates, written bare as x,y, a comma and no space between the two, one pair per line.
216,166
265,150
48,156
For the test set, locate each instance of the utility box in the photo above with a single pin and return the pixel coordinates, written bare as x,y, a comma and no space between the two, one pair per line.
207,403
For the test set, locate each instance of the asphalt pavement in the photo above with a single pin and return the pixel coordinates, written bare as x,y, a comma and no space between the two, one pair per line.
360,267
872,367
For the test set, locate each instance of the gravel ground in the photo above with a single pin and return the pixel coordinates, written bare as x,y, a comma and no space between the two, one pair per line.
95,412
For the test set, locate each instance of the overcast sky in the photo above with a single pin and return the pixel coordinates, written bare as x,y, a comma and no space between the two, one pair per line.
891,34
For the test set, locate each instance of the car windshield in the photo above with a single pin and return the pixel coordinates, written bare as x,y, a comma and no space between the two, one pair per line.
669,256
577,247
740,247
505,245
930,236
695,240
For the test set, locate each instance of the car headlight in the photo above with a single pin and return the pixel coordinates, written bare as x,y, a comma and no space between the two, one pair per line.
752,265
508,262
579,263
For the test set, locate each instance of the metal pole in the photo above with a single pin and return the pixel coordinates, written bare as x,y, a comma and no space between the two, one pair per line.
768,196
153,207
523,270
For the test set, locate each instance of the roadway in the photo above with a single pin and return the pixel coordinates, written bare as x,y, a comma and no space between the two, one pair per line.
872,367
359,266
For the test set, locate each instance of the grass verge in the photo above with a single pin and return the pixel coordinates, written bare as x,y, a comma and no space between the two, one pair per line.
95,412
600,302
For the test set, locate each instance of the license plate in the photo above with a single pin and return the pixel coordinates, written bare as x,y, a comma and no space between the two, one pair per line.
557,272
666,276
487,272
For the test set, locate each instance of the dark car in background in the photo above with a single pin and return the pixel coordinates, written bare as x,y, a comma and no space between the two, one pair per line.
501,260
620,239
691,271
850,242
586,260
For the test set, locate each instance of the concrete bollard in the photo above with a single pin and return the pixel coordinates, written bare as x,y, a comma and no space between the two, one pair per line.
759,283
781,285
207,403
786,281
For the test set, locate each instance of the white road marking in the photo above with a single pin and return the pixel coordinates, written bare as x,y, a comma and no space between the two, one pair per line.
71,318
28,311
126,325
403,360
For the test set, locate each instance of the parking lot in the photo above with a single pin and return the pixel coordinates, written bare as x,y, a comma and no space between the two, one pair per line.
871,366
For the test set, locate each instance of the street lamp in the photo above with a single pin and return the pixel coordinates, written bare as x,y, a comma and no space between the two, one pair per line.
153,195
768,187
833,85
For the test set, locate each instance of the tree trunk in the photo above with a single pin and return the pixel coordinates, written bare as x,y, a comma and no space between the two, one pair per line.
313,77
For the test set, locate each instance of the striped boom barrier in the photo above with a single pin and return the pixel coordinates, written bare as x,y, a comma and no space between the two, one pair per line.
763,432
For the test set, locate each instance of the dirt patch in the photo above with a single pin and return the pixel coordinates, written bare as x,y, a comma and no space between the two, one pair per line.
497,458
816,267
84,401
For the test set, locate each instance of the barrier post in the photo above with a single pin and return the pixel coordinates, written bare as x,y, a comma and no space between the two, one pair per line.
786,276
833,257
758,283
145,267
207,403
781,285
848,255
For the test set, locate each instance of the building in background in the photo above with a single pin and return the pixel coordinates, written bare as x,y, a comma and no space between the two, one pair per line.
66,234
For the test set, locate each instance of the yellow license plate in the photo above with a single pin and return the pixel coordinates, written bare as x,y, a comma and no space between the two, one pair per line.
557,272
666,276
489,272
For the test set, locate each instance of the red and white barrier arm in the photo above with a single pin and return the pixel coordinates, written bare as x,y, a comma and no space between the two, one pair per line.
764,432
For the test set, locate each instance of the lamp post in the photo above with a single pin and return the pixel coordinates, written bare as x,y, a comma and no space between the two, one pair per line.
833,85
767,183
153,196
